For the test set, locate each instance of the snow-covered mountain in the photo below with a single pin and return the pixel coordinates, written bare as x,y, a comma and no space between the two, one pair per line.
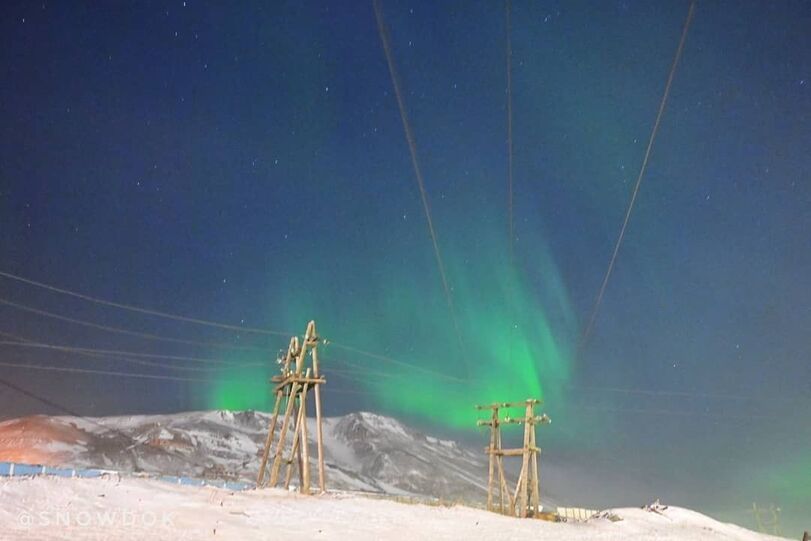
363,451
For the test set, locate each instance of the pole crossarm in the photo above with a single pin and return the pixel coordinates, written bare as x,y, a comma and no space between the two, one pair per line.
536,420
511,452
300,380
506,405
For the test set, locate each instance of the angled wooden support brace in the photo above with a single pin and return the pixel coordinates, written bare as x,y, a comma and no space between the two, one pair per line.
277,459
269,440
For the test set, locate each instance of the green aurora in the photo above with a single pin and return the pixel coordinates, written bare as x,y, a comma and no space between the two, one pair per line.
245,388
517,329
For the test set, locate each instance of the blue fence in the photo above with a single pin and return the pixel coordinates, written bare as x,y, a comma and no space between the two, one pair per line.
14,469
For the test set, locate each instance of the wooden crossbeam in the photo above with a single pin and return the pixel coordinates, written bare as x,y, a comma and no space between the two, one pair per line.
527,402
305,381
505,405
536,419
511,452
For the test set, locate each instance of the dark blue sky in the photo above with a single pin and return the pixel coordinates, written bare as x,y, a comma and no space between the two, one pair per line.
246,163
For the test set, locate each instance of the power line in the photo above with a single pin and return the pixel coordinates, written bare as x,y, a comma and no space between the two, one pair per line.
675,413
134,375
651,392
168,339
395,362
52,368
361,375
120,355
40,345
143,310
642,169
14,336
511,222
104,355
350,375
119,330
353,377
510,217
201,322
357,370
198,380
412,147
110,357
163,338
686,394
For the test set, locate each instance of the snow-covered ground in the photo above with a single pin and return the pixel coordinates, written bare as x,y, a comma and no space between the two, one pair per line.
48,508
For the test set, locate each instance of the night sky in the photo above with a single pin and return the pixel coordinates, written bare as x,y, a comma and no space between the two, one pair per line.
246,164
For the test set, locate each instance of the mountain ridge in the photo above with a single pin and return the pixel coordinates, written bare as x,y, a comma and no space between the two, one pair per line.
364,451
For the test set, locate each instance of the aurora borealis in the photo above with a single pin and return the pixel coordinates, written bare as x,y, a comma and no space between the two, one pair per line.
531,359
245,163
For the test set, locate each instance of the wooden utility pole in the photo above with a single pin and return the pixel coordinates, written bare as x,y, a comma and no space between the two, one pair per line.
292,388
527,492
496,465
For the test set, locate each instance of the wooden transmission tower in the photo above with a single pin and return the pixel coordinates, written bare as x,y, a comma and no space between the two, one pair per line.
525,501
292,387
767,520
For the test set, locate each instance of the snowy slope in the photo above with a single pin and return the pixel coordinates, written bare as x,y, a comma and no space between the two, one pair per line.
50,508
364,451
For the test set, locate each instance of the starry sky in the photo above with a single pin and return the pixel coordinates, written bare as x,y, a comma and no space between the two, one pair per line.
245,163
